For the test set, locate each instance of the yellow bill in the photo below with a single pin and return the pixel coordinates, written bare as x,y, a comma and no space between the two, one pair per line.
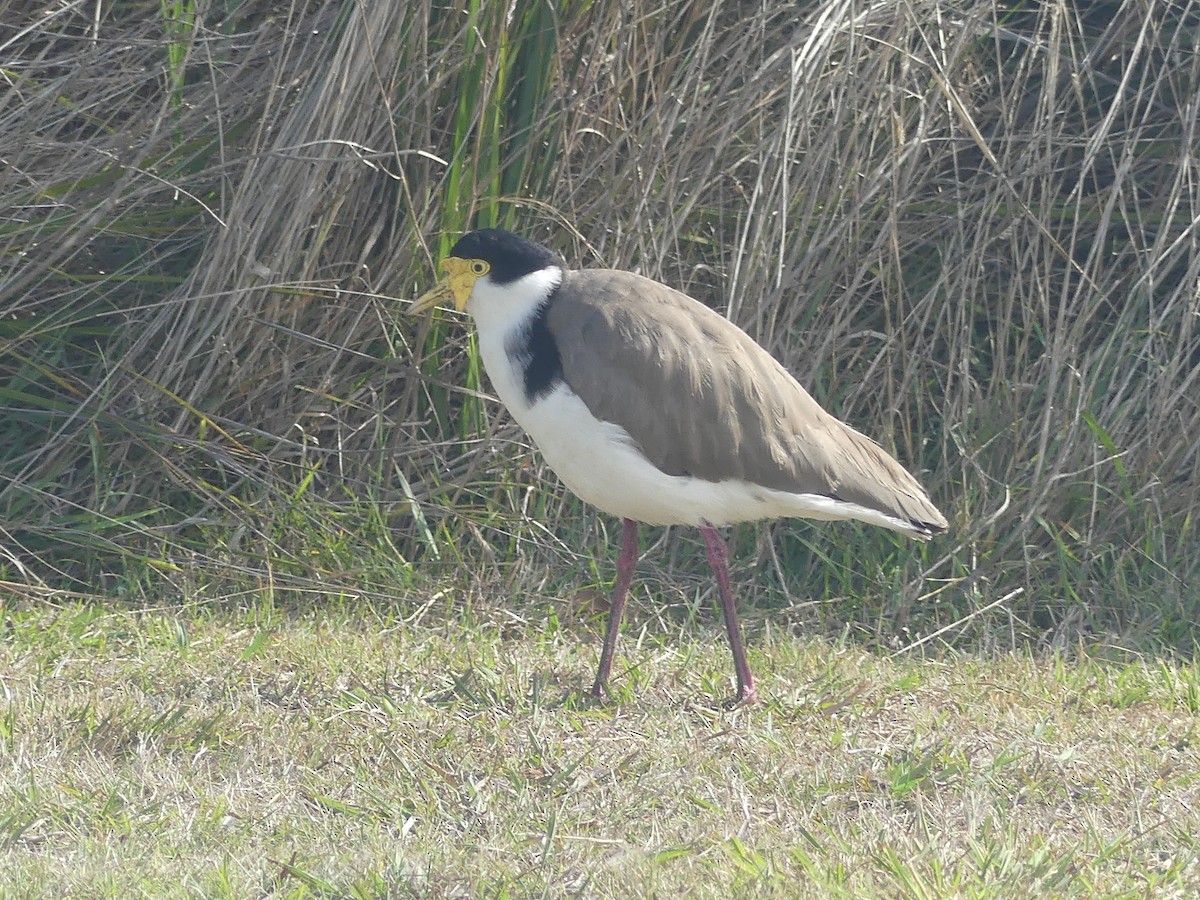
455,288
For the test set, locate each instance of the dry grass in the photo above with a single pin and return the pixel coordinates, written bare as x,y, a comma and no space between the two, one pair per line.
366,750
971,228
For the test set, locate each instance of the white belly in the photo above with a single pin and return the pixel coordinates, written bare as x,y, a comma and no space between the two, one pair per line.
600,463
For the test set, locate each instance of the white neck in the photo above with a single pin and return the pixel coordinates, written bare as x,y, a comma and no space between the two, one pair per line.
500,313
499,309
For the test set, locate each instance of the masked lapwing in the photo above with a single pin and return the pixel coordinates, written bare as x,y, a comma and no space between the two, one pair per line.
652,407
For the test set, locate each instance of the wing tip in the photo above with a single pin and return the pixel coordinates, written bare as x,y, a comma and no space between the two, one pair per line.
925,531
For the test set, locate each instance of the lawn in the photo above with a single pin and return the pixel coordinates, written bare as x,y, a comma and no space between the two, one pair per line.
447,747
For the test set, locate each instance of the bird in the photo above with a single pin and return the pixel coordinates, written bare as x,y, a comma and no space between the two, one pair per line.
656,409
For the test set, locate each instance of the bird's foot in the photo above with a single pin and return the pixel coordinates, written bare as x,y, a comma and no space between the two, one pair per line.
746,696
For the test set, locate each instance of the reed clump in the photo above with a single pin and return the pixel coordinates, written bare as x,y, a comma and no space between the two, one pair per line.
970,228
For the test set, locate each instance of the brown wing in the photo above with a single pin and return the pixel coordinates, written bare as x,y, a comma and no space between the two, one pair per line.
710,402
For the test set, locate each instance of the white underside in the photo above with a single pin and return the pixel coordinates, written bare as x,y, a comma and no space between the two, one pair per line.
600,462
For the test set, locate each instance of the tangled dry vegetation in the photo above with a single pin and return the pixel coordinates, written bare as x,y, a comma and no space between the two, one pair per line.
971,228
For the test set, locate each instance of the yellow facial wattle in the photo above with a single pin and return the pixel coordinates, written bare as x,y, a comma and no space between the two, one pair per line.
461,275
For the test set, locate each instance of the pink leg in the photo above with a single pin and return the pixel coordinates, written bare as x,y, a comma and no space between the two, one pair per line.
625,563
718,559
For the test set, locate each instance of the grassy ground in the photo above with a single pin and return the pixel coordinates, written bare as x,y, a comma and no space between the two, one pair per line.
355,748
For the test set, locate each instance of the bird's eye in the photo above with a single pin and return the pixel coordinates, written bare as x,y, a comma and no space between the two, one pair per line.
479,267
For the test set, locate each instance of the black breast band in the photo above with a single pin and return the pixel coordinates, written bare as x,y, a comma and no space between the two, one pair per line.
537,353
